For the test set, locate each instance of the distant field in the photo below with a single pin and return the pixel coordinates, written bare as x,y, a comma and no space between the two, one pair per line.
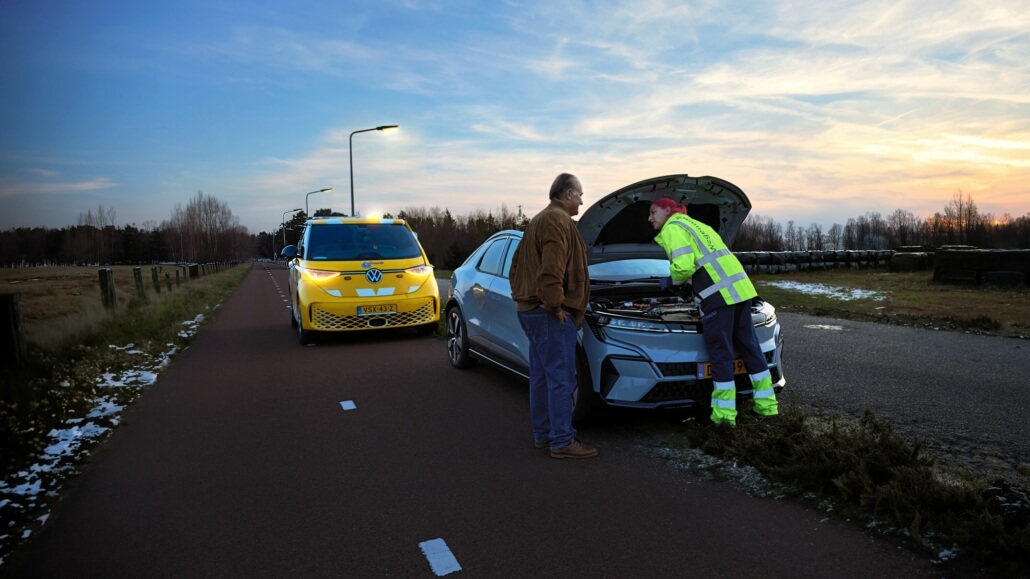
56,300
909,298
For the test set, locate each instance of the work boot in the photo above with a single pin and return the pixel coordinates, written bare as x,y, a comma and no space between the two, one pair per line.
543,444
575,449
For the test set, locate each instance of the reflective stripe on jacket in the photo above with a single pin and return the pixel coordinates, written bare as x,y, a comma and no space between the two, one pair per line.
697,253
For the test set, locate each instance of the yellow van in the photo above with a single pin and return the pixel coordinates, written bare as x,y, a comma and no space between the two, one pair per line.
356,274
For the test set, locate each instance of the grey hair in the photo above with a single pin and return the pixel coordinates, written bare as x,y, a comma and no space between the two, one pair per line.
561,183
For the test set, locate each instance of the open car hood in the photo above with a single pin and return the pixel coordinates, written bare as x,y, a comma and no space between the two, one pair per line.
616,226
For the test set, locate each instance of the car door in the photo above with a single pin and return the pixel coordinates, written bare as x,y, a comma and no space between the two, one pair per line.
508,342
478,303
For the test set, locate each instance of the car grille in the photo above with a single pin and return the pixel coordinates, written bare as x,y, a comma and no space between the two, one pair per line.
696,390
671,369
330,322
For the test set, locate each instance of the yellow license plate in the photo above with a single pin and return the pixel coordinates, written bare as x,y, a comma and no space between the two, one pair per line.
704,369
377,310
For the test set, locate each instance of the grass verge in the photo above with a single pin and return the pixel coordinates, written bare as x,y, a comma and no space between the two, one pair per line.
863,472
66,396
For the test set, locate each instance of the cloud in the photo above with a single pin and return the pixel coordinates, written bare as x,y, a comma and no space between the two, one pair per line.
12,189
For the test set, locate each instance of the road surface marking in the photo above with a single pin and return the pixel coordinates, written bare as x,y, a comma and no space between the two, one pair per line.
440,557
348,405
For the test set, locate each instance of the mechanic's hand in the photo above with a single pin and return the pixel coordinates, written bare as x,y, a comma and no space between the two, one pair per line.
665,283
687,290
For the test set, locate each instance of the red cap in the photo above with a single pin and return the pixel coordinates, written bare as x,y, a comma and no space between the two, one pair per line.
666,203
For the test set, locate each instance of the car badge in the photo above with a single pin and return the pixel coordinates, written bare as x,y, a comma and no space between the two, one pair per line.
374,276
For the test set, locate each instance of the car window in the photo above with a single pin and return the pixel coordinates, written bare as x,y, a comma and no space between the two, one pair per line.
629,269
491,262
354,241
506,267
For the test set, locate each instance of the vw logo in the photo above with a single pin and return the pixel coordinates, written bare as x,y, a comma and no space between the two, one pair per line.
374,276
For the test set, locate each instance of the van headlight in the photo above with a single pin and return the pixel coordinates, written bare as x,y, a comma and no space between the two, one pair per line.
318,274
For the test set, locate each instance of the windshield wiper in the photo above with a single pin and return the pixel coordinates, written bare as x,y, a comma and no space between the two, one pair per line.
653,278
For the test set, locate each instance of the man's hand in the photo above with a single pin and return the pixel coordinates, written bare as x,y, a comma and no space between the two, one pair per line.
665,283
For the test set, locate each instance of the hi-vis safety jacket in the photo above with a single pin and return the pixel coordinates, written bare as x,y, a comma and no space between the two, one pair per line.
697,253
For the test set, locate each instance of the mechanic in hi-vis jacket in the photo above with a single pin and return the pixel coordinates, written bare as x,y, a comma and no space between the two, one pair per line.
698,256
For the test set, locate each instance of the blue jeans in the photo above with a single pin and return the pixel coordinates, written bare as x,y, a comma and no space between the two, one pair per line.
552,375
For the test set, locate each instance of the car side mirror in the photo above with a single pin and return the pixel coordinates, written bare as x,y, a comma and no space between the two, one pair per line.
289,252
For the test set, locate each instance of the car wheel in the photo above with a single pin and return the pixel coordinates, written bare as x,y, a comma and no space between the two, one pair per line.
457,340
293,320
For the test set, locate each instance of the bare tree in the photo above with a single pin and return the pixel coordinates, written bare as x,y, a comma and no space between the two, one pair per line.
814,238
835,236
902,228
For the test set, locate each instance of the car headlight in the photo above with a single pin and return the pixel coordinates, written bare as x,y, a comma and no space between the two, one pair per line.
631,324
319,275
765,315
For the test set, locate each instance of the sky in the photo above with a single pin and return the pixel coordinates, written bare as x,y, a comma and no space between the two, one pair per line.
820,111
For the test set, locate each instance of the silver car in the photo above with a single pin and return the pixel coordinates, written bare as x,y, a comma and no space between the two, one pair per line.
639,347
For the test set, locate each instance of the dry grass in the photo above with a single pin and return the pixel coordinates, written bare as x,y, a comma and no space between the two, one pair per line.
911,299
59,303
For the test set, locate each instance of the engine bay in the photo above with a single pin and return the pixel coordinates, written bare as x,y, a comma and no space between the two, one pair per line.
665,308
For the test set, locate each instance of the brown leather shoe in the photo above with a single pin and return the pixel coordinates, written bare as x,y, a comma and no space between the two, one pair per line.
575,449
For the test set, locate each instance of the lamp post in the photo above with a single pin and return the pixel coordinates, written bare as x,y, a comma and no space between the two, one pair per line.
306,200
350,153
284,222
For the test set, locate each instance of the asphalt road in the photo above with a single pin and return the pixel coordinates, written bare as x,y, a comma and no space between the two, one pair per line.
253,456
967,396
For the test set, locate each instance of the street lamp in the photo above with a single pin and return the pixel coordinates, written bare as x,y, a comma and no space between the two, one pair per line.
350,152
306,200
284,222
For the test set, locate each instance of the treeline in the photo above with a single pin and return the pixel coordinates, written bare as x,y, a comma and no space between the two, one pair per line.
447,239
961,223
204,231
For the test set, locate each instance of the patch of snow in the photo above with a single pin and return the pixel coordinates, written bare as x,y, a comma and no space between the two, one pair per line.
838,293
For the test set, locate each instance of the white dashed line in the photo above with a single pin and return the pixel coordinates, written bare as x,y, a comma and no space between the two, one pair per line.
440,557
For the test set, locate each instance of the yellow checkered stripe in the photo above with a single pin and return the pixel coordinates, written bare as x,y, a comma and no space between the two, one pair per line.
330,322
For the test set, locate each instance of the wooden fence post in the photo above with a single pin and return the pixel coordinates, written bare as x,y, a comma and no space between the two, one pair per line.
107,287
12,334
157,281
177,277
168,280
137,276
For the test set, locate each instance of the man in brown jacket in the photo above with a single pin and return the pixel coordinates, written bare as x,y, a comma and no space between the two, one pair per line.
550,285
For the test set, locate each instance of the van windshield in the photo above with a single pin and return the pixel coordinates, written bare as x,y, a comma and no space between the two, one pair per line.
358,241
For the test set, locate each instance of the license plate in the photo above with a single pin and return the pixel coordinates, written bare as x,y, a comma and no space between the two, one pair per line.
377,310
704,369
